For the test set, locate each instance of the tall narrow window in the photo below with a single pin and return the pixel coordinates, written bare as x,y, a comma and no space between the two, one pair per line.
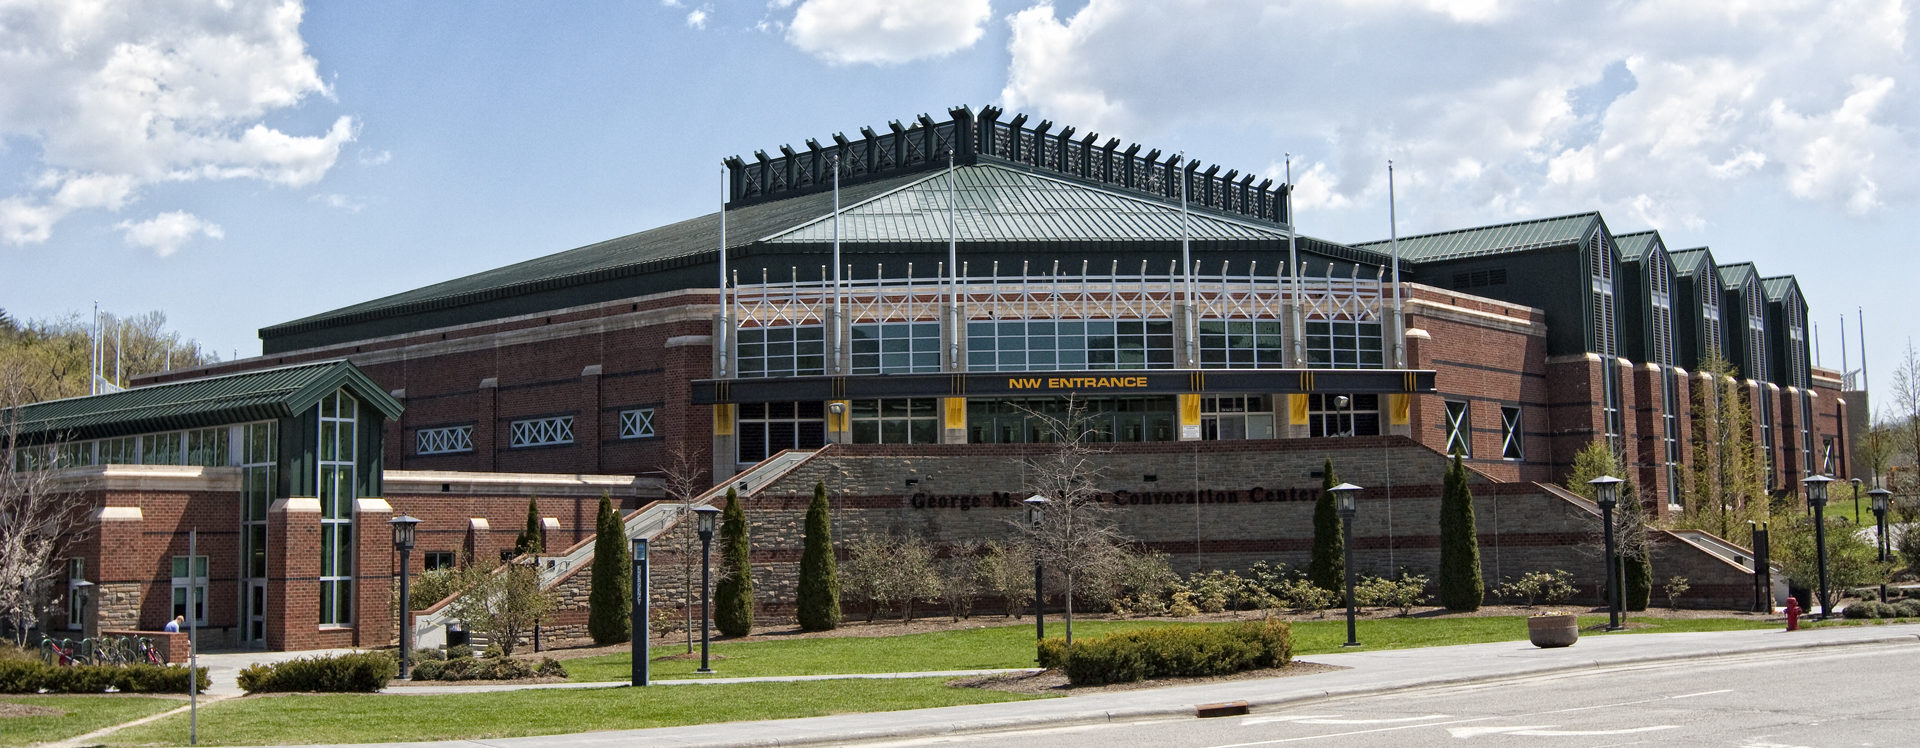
258,455
76,573
1459,429
190,588
1756,332
336,488
1510,446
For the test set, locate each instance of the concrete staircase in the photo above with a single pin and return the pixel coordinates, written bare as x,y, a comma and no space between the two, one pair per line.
430,626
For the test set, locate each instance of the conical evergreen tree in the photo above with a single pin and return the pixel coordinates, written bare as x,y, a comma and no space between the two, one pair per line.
1327,569
733,593
610,597
532,539
819,579
1461,587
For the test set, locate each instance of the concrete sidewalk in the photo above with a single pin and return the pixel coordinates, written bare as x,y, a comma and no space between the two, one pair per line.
1367,672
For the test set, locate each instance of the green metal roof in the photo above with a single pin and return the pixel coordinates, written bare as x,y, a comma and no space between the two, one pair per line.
1689,261
995,203
1778,286
1505,238
1634,247
1735,276
199,403
692,240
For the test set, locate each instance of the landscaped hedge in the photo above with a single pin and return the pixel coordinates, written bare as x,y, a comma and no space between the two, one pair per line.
1175,651
487,668
354,672
34,676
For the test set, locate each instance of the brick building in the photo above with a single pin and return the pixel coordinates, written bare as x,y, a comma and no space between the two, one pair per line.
921,290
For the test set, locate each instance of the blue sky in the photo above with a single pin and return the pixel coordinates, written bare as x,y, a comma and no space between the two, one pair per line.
245,166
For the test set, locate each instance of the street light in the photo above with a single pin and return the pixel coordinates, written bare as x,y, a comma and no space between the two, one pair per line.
1856,499
403,527
1606,491
703,522
1881,499
1036,506
641,610
1817,497
1345,498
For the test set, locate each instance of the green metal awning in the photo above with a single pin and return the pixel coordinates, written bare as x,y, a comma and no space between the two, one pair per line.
197,403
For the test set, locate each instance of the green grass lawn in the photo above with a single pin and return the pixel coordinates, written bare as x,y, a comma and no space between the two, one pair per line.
84,714
1011,646
356,718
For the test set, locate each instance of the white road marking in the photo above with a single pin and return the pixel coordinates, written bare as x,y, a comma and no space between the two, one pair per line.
1702,693
1381,721
1545,731
1474,732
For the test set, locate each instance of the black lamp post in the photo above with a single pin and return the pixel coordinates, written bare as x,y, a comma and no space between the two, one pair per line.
1817,498
704,518
1036,507
1606,492
1856,500
642,583
403,527
1345,497
1882,501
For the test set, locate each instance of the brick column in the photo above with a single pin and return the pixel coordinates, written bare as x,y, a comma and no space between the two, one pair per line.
293,573
373,571
479,543
485,429
590,417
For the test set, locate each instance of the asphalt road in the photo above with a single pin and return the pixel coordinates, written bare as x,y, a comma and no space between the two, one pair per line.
1851,696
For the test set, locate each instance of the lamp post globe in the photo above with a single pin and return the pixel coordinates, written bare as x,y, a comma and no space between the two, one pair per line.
403,532
1036,509
1346,503
1817,498
1882,503
704,518
1606,493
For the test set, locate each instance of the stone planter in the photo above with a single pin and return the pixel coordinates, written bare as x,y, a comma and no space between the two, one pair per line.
1553,631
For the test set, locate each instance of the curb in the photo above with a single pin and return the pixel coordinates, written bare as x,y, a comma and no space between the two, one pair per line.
1102,716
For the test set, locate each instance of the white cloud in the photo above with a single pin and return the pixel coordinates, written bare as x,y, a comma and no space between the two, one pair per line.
165,232
697,18
119,98
337,201
882,32
1494,110
375,158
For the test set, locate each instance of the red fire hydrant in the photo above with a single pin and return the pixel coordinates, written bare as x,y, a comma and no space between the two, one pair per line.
1793,614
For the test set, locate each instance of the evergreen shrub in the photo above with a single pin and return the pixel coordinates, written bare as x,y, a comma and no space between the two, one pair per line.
1178,651
609,592
1327,567
34,676
353,672
819,603
733,594
1461,588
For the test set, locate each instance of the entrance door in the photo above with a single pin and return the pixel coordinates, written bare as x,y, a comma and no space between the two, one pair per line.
256,616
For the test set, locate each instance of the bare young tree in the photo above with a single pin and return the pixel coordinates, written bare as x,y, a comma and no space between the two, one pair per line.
1075,536
506,605
684,481
1906,420
38,514
1726,485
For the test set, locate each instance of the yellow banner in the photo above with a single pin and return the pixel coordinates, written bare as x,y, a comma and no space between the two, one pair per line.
1402,409
837,418
956,412
723,419
1297,410
1190,410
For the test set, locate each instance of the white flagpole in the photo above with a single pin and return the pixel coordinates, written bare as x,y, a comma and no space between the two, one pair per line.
93,354
953,266
726,312
119,342
1186,260
1293,271
836,262
1399,322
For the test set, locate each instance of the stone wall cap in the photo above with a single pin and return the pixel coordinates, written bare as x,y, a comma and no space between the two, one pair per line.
297,504
119,514
372,504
